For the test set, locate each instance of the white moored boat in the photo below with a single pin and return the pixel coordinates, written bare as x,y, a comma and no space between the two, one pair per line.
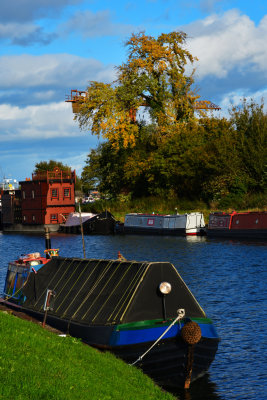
173,224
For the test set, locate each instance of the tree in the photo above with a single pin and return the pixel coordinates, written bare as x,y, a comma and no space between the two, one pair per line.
250,122
50,166
153,77
104,169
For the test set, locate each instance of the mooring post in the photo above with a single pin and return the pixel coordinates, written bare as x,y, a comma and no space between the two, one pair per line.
47,241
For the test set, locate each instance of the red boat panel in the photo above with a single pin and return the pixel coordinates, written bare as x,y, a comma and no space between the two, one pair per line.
238,221
253,220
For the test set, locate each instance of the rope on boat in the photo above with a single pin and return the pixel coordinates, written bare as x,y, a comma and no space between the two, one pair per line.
181,314
17,292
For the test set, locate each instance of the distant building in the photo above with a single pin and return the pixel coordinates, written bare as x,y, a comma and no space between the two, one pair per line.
46,200
10,204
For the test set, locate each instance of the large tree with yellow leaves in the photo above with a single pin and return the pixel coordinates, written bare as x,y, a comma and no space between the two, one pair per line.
154,77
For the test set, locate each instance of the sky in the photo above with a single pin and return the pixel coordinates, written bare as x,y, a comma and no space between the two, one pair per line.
49,47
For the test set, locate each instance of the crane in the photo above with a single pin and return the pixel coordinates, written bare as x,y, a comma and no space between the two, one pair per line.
76,97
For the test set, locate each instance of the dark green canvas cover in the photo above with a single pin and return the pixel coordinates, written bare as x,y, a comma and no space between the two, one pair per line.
107,292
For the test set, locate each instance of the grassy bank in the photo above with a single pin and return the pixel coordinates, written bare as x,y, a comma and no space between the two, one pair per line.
36,364
124,205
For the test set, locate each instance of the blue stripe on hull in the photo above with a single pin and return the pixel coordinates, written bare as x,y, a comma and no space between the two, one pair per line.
135,336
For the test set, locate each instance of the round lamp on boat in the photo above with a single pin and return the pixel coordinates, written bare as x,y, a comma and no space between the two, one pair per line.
165,287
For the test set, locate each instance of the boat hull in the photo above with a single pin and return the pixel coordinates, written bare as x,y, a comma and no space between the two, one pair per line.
155,231
241,233
167,363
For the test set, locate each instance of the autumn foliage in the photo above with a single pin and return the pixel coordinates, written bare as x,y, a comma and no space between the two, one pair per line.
153,77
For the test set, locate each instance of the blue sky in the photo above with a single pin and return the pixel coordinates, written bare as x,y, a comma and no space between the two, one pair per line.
49,47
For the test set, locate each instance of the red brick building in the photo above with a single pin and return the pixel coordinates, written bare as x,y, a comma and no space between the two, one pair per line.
48,198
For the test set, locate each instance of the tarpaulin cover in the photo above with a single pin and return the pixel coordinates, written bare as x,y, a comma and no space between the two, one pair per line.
103,223
75,218
107,292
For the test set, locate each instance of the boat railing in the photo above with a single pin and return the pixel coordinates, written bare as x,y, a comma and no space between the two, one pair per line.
54,175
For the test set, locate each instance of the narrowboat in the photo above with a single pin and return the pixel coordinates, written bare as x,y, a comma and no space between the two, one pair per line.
158,224
250,224
143,312
100,224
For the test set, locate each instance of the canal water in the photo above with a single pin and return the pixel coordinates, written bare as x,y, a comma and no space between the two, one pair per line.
228,278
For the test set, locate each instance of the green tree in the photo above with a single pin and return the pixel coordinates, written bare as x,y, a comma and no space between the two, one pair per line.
104,169
50,166
250,122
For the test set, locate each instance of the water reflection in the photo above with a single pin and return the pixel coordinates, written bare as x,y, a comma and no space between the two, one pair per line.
202,389
238,241
195,239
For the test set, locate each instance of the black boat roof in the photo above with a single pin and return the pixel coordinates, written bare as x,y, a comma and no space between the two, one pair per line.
94,291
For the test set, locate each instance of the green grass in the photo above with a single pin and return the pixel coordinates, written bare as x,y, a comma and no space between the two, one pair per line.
36,365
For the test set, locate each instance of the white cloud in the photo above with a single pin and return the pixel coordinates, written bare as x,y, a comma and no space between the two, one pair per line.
12,30
227,42
208,5
25,34
92,25
236,98
26,10
50,70
38,122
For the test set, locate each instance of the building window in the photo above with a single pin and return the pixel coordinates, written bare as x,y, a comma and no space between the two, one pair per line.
33,218
54,193
24,218
23,194
53,219
66,192
33,194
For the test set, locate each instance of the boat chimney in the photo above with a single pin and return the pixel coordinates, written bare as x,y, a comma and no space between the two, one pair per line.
47,241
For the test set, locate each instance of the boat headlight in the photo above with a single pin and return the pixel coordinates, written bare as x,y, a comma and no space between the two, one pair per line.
32,263
165,287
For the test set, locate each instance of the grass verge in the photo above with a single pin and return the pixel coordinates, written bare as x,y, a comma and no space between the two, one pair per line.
120,207
37,365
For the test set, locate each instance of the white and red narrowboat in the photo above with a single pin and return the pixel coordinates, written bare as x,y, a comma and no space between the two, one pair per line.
238,224
158,224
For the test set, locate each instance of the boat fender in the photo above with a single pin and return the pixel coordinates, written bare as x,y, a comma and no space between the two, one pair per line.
191,333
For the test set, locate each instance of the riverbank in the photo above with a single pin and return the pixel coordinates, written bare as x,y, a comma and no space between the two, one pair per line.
38,364
124,205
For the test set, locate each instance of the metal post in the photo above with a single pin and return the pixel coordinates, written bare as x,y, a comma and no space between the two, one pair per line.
81,223
47,241
164,308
